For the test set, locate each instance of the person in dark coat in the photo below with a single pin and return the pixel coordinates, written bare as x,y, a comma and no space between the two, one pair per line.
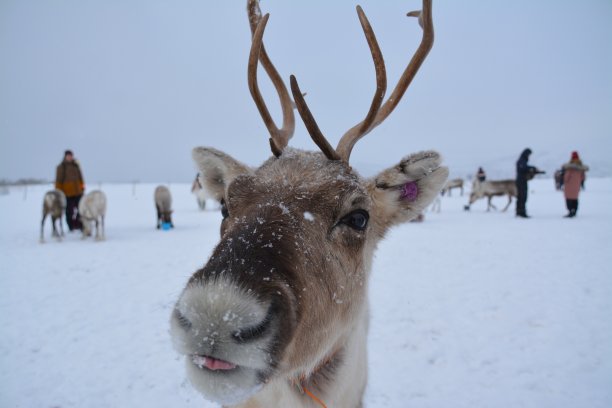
481,175
69,179
524,173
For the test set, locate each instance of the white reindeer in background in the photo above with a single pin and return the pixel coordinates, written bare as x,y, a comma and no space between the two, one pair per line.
450,184
199,193
278,316
92,210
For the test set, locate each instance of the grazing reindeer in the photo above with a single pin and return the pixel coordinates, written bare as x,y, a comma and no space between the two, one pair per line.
490,189
163,204
450,184
278,317
54,204
92,210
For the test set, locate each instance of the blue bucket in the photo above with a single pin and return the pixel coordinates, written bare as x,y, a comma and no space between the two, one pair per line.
166,226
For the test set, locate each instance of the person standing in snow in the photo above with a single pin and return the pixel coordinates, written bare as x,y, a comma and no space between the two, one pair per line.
481,175
573,177
69,179
524,173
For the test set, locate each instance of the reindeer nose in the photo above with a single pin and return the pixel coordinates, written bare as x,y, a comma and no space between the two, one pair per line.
219,313
254,332
182,320
242,335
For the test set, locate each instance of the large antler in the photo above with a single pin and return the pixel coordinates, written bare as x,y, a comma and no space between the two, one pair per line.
377,113
278,137
381,87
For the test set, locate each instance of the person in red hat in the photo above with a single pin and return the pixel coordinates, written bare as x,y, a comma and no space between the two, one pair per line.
573,178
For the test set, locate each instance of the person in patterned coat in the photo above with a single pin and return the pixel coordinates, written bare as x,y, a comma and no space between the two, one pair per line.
573,179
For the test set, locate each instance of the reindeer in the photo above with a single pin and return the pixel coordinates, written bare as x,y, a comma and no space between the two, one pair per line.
54,204
199,192
450,184
278,316
163,205
92,210
490,189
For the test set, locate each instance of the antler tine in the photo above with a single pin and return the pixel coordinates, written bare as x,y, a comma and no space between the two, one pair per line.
279,138
310,123
426,22
353,135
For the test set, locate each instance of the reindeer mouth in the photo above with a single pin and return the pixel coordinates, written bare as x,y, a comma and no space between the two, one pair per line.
212,364
222,381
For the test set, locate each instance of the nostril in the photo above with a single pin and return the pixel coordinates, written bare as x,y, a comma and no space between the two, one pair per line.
254,332
182,320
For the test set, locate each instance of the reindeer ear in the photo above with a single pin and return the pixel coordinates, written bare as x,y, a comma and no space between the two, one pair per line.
402,192
217,170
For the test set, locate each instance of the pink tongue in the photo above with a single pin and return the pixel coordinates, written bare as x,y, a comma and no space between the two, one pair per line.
212,363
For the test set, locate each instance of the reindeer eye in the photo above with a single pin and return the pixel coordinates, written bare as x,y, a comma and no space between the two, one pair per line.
358,219
224,211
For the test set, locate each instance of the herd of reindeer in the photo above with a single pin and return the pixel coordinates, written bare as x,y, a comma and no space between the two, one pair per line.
92,208
278,315
92,211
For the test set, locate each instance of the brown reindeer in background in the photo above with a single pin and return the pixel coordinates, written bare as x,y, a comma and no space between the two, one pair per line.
278,316
490,189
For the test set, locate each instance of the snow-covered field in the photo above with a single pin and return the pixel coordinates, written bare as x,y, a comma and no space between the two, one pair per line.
468,309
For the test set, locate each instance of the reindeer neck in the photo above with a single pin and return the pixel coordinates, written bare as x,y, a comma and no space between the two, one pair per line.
313,384
338,380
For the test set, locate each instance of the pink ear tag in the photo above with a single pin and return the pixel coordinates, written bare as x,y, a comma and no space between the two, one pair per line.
409,191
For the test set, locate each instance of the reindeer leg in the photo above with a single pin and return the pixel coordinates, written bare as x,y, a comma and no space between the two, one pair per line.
469,204
42,228
103,229
509,202
97,229
158,217
55,233
59,232
492,205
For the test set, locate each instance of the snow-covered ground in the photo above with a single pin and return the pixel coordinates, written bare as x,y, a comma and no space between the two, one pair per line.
469,309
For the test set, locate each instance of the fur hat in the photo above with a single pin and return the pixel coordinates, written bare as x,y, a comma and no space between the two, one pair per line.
68,152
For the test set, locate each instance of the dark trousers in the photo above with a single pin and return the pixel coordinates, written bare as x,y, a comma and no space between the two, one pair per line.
72,212
521,197
572,207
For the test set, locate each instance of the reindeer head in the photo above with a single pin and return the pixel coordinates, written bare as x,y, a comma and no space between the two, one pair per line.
287,284
166,216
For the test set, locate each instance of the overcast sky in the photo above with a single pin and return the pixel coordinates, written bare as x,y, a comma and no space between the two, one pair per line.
131,86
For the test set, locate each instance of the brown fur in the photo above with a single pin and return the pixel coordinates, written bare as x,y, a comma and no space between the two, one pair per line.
284,241
282,302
